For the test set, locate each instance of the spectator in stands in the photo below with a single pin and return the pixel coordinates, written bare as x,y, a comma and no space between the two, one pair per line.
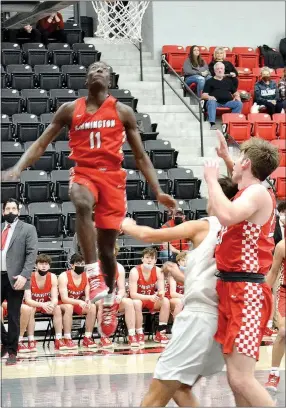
28,34
282,90
174,291
169,250
146,283
229,71
19,247
196,70
280,226
74,292
43,298
219,91
25,314
266,93
52,26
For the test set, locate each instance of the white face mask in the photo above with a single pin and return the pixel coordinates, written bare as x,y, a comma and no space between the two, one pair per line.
147,266
182,268
282,217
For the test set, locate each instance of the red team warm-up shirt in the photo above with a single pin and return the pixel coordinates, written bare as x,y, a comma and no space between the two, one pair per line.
179,289
41,295
247,247
76,292
96,139
146,287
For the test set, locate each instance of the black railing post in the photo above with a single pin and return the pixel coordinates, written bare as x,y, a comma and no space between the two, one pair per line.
141,61
163,80
201,130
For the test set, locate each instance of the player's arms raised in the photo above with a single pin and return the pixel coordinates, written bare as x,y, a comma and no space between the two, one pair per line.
143,161
61,118
190,230
222,151
279,255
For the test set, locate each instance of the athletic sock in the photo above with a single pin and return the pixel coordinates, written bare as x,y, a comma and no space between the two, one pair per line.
131,332
58,336
108,300
67,336
21,338
270,324
162,327
139,331
275,371
31,338
87,334
92,269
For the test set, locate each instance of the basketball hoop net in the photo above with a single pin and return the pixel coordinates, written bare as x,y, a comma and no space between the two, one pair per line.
120,21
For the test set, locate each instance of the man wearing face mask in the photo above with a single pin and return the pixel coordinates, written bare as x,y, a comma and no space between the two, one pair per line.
43,298
174,291
279,232
171,249
19,244
266,93
75,298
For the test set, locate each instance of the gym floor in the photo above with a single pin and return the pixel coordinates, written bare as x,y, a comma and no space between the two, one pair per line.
104,378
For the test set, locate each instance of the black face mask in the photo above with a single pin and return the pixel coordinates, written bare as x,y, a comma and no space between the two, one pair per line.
79,269
178,220
10,217
42,273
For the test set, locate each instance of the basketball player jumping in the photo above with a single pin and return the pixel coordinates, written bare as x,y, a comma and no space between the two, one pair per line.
97,132
192,351
244,256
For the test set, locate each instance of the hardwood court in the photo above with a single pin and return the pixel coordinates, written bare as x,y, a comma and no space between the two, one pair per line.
104,378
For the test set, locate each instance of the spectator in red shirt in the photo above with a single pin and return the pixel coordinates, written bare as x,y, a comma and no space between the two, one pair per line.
52,26
169,250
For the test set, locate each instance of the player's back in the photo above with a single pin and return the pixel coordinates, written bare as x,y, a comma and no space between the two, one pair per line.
96,139
200,279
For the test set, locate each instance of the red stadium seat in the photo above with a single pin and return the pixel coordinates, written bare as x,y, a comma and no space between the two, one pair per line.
246,106
236,126
176,60
167,49
280,119
279,175
265,130
246,82
280,72
281,144
246,57
258,117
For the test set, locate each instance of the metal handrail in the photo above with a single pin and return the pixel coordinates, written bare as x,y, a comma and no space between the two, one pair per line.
199,117
139,48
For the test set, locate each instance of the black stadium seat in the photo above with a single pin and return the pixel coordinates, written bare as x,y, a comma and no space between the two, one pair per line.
7,128
145,127
37,101
82,92
73,32
24,214
86,54
60,182
11,102
135,248
198,208
74,76
184,205
162,155
47,162
47,218
164,182
36,186
129,160
134,185
3,77
10,189
48,77
10,154
68,210
35,54
145,212
124,96
46,119
11,53
60,54
185,185
20,76
63,151
60,96
28,127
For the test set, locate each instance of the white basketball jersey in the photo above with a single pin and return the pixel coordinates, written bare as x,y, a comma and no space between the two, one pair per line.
200,280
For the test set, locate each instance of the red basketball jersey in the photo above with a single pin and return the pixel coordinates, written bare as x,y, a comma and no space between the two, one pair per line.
179,288
41,294
96,139
246,247
76,292
146,287
283,273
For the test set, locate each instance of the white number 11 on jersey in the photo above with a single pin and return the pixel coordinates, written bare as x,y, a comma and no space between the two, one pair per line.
92,138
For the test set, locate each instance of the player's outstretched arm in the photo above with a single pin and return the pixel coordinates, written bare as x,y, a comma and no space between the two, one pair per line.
37,149
279,255
222,151
143,161
187,230
170,268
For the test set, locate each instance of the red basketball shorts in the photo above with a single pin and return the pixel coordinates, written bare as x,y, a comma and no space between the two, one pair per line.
148,304
109,191
281,301
78,310
244,310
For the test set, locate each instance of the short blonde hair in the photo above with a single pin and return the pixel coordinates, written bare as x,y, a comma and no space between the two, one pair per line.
265,69
219,49
181,256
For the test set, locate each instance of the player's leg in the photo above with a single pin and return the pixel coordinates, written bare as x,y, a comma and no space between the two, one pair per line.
160,392
25,314
242,381
139,321
176,306
67,311
127,306
105,341
31,331
58,322
164,306
184,397
89,326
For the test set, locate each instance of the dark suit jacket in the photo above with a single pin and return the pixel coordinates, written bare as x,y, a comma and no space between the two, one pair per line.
22,252
277,231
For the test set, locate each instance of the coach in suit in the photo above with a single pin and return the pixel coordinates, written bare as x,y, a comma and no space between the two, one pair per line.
19,247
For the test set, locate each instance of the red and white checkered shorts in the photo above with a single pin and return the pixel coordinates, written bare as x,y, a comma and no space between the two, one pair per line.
244,310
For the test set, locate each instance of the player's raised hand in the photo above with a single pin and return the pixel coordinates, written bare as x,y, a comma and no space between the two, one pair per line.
211,170
12,174
167,201
222,150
